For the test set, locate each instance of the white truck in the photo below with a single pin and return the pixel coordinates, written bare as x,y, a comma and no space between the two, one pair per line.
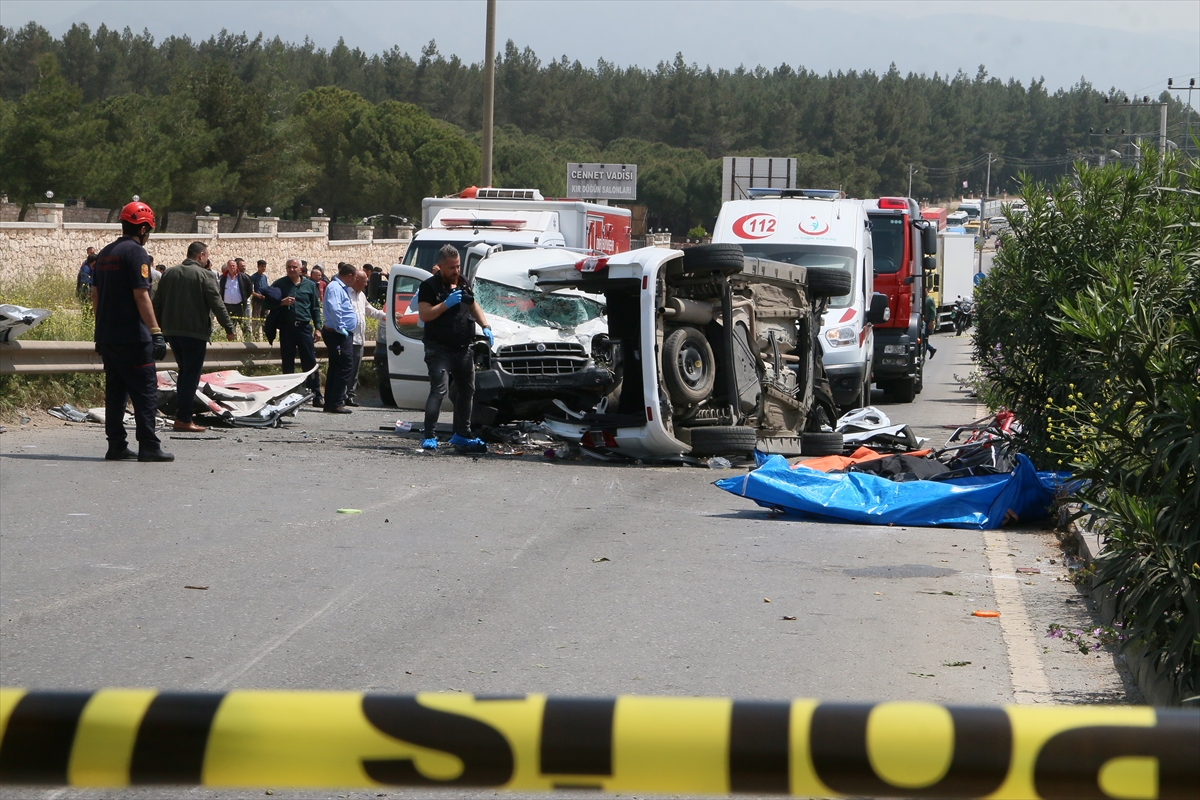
955,273
830,236
514,219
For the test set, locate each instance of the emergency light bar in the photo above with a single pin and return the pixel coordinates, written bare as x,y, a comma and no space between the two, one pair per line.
489,193
468,222
893,202
818,194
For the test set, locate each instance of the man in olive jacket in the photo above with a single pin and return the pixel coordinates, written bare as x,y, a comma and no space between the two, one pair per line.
184,301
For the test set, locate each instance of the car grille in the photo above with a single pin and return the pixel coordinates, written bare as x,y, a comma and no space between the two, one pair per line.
554,358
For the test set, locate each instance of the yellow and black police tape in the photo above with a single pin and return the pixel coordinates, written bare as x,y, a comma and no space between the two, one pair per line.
698,746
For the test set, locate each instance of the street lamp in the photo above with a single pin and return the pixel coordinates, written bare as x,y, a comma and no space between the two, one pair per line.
268,210
208,209
49,195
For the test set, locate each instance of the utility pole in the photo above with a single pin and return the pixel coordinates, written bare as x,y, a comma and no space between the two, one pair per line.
911,172
987,187
489,93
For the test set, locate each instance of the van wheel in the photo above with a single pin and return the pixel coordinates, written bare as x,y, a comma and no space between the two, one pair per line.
723,440
821,444
904,390
726,259
829,282
689,368
385,385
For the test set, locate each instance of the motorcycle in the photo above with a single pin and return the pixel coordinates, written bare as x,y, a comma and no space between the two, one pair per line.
963,315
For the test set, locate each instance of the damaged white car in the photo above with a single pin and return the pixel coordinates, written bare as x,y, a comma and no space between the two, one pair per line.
543,358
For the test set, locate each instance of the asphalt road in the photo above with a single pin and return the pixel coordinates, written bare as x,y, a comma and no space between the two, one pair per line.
503,575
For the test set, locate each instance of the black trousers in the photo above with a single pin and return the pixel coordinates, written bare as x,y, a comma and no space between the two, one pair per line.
129,375
341,361
298,340
445,362
189,355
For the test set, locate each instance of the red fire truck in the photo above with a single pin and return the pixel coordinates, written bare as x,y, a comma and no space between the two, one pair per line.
905,247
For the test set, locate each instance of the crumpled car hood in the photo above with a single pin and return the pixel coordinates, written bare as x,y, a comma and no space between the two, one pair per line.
508,332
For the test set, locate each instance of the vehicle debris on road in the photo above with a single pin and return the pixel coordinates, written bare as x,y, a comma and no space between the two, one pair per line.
977,480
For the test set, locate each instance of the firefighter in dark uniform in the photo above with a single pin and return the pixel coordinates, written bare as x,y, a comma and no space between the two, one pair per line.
128,338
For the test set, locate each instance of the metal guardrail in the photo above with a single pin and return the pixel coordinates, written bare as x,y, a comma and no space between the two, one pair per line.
48,358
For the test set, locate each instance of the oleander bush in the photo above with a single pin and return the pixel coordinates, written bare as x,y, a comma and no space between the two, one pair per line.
1089,329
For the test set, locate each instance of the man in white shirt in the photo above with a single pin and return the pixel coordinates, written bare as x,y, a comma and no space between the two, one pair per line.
235,293
362,310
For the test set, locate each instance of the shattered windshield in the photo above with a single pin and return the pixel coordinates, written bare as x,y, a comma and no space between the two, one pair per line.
534,308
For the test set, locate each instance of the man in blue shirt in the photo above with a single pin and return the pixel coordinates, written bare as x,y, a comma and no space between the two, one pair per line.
83,279
340,322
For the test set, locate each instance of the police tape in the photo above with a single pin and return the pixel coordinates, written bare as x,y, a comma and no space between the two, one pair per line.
696,746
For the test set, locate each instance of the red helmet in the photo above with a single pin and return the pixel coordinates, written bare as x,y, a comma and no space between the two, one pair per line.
138,213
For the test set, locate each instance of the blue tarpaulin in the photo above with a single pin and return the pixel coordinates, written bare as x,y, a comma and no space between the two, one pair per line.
975,502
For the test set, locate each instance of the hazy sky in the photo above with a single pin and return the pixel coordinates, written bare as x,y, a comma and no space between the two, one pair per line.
1132,46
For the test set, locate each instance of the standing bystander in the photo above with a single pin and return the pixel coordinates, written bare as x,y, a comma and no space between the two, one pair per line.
83,278
340,322
362,310
258,283
128,338
299,325
186,297
235,292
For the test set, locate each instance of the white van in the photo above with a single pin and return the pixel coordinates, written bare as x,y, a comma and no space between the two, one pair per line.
543,349
829,235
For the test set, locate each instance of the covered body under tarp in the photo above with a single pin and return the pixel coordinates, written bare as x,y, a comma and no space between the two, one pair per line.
980,501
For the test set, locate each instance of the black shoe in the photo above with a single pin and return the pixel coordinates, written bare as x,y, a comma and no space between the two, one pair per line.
121,455
154,455
338,410
932,352
350,401
318,402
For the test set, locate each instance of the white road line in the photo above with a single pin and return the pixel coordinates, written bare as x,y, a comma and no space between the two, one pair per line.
222,679
1020,641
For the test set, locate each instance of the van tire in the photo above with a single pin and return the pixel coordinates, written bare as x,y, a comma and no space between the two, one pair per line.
903,390
723,440
829,282
726,259
821,444
689,367
385,384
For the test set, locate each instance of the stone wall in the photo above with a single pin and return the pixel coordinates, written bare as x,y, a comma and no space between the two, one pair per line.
49,245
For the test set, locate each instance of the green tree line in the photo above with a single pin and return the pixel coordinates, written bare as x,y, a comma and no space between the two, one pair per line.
239,123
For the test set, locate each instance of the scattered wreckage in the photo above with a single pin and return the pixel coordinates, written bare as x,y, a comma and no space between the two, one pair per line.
648,354
978,480
227,397
16,320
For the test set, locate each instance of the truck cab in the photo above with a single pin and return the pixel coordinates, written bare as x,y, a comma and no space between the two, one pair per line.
905,248
830,236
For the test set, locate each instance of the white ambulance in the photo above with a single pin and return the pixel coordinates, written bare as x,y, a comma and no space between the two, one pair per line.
830,236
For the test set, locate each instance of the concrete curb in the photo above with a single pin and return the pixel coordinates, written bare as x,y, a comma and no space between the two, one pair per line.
1156,687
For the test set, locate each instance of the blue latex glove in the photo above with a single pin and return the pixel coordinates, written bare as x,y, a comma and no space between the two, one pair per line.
491,339
454,299
343,332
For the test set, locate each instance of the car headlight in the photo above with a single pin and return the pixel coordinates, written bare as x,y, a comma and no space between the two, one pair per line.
842,336
894,349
